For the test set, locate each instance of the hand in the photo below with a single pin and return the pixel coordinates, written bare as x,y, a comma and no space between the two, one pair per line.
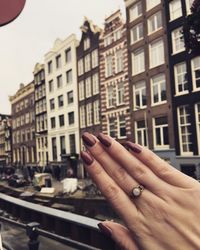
165,216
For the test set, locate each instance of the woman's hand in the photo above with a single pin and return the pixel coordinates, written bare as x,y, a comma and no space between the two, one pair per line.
165,215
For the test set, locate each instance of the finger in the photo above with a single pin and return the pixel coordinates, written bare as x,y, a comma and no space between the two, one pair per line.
113,193
120,234
115,171
160,167
133,166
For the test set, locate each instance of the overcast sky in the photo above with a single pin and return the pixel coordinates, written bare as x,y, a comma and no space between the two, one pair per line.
24,42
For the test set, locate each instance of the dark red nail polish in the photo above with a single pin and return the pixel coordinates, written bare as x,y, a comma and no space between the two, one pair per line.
104,139
88,160
104,229
134,147
88,139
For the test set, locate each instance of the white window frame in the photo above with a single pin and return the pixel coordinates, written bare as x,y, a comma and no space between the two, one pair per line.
197,115
81,90
188,153
119,123
89,114
109,65
161,127
119,61
177,41
134,11
95,83
110,96
171,9
195,88
108,122
143,132
150,4
87,63
95,58
140,92
156,53
82,116
135,32
86,43
96,109
138,61
180,75
120,93
80,67
88,87
153,22
158,83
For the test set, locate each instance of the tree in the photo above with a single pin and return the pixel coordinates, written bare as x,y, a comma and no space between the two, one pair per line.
191,29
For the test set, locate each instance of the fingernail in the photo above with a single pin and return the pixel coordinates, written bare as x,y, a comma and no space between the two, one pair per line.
88,160
104,139
134,147
104,229
88,139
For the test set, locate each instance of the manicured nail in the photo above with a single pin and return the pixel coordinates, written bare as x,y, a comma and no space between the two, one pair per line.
104,139
134,147
88,139
88,160
104,229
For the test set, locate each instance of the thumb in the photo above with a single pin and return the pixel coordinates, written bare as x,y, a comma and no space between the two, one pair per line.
120,234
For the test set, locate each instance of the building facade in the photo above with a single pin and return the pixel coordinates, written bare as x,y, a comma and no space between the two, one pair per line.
5,140
150,88
62,102
185,90
88,79
40,115
23,125
114,82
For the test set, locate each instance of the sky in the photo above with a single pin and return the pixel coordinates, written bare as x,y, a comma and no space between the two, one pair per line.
25,41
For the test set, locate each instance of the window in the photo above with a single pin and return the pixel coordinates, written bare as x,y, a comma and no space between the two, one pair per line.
58,61
109,64
122,127
50,67
95,58
107,40
80,67
54,148
117,35
59,81
71,118
154,22
112,131
62,145
197,112
96,112
140,98
82,117
52,104
185,130
86,44
151,4
196,73
156,53
137,33
95,83
53,122
81,90
88,89
119,61
87,63
181,79
175,9
135,11
138,62
61,120
70,97
69,76
60,101
72,143
89,114
51,86
161,137
158,89
68,55
110,96
120,93
178,44
141,132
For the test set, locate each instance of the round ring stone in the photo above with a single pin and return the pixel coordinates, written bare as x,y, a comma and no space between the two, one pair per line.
137,191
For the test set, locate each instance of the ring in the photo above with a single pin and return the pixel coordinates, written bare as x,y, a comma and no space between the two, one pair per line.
137,191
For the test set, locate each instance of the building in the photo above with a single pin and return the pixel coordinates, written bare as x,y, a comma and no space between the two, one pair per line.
23,125
40,115
88,79
62,103
114,82
185,90
5,140
150,88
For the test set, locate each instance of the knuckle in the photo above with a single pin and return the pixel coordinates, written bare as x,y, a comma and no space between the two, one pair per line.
139,172
120,174
111,192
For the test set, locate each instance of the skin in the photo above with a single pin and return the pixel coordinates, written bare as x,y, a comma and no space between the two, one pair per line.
165,216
